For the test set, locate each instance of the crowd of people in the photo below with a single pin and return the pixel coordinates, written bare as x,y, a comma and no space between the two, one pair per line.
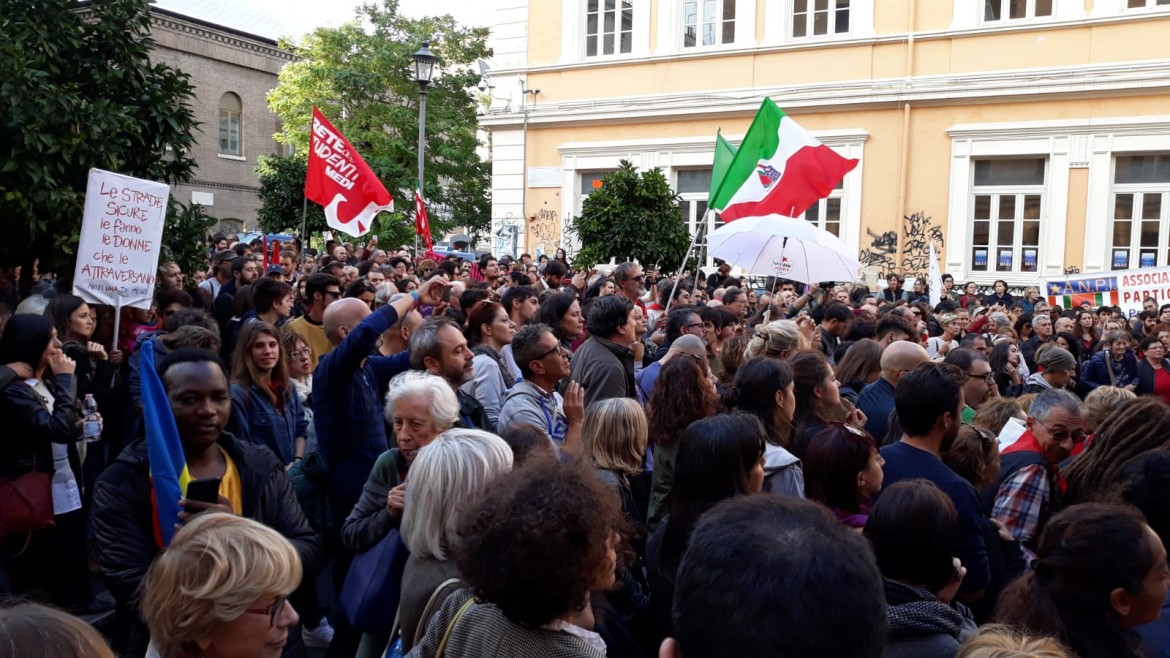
514,457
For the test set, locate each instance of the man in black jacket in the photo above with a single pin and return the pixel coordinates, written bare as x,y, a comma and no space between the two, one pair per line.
252,484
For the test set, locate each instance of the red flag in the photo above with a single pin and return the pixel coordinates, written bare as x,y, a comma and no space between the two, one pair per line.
275,259
422,226
339,179
264,250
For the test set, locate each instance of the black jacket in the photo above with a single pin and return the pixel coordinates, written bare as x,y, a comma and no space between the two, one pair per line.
123,520
1146,376
30,430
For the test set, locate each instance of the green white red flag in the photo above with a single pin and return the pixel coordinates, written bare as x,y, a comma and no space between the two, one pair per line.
779,169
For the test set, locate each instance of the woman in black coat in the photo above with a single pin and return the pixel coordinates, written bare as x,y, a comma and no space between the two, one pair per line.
41,433
1154,370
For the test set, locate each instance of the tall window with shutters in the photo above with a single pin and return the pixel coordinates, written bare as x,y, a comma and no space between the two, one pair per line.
609,27
1007,210
231,112
1140,225
693,187
826,213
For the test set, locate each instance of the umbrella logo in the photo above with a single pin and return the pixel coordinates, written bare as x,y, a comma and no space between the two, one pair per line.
768,174
782,265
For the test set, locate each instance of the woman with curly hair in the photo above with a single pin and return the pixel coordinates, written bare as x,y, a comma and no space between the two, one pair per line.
683,394
718,458
530,549
1100,572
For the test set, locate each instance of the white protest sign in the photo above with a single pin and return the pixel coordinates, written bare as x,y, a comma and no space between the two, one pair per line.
121,236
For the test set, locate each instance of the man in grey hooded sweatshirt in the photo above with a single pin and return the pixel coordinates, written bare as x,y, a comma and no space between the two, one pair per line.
533,400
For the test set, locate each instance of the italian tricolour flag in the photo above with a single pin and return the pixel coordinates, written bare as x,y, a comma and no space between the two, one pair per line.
778,169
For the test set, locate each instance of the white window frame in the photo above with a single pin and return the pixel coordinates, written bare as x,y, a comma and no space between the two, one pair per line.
239,133
670,154
573,25
995,141
619,10
1140,191
790,10
1005,10
700,20
993,245
1150,5
822,206
778,15
968,14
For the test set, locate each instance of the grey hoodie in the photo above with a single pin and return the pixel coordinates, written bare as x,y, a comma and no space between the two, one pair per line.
783,473
527,404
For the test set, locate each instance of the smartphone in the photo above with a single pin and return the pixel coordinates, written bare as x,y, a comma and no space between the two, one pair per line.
446,296
204,491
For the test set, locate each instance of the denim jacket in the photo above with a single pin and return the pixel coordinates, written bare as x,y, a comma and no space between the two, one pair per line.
256,419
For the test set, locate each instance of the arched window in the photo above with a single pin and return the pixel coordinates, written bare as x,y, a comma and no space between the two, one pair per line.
231,112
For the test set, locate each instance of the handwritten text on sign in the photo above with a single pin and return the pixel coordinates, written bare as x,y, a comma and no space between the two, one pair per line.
121,234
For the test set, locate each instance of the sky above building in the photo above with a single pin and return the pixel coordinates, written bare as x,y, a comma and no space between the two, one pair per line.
293,18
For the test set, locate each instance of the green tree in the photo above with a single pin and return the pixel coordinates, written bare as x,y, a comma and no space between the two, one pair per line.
78,90
361,76
184,236
631,216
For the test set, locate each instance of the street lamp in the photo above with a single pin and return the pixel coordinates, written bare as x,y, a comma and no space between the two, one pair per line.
424,69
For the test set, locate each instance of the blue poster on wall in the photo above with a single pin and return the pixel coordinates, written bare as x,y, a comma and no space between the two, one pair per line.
1120,259
980,259
1005,259
1149,259
1029,260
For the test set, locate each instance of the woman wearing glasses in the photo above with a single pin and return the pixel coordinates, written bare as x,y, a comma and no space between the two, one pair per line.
221,589
1154,370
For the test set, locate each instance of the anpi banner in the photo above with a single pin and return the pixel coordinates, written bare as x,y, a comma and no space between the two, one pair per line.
1123,288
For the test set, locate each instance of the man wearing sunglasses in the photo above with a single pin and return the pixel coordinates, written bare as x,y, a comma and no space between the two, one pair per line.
1028,489
321,290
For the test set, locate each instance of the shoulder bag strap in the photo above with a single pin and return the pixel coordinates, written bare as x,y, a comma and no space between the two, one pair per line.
430,608
451,626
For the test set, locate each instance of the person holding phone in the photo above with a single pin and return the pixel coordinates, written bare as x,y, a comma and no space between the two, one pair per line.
227,474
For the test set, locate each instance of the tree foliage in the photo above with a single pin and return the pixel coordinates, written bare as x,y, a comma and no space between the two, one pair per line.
631,216
184,234
362,79
77,90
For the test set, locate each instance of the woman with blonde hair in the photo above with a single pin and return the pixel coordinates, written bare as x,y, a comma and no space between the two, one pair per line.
36,631
447,475
1099,403
221,589
778,340
614,444
1001,641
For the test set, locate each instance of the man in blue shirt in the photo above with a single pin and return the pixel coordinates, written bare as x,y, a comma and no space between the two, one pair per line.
876,400
929,401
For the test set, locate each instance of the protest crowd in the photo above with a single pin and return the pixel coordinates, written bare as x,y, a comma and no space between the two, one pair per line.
390,454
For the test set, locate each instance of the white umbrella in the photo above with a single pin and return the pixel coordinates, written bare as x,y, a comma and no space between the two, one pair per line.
786,247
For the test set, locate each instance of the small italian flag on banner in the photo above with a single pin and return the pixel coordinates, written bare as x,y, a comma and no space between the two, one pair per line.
779,169
1094,299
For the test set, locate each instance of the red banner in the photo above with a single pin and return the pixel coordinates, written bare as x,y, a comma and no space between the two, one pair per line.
422,226
339,179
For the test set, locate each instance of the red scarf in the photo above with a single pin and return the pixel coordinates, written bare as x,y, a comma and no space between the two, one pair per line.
1028,443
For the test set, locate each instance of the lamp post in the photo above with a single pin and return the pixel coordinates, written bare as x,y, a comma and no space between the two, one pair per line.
424,68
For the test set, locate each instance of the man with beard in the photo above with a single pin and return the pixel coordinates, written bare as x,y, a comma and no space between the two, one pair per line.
929,401
438,347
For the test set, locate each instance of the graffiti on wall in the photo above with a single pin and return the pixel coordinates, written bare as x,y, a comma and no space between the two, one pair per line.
544,232
919,233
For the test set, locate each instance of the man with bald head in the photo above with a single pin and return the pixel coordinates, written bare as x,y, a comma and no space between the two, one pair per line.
877,399
685,345
348,385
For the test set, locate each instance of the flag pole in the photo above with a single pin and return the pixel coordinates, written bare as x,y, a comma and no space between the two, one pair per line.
702,229
304,229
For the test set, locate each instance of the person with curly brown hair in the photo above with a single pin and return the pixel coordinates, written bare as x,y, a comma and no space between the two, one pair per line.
684,393
530,550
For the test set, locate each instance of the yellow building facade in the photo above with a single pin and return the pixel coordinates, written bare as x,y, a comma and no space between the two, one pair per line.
1023,138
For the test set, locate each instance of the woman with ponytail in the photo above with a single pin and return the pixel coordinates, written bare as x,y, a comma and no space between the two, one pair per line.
1100,572
763,388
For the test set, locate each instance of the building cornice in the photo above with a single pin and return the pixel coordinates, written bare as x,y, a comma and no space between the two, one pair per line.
229,38
1091,80
702,145
1141,126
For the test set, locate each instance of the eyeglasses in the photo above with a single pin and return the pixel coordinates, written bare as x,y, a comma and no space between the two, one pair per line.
1060,436
271,611
332,293
301,354
555,348
693,325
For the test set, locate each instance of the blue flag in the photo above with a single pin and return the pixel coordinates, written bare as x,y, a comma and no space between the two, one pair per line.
164,451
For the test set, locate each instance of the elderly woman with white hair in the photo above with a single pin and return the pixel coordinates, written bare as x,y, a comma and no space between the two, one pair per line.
448,475
419,406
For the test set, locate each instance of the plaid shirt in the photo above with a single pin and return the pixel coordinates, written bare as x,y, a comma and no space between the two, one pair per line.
1020,500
